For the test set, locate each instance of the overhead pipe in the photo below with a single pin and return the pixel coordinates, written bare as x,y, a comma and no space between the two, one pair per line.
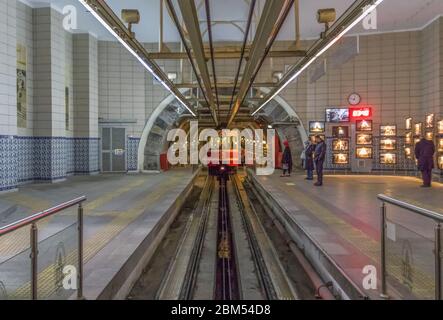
187,49
297,24
243,49
211,46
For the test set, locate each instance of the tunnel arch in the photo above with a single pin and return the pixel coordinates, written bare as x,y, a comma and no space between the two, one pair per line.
169,113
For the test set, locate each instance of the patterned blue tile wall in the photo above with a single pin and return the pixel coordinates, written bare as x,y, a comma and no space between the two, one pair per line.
132,153
25,159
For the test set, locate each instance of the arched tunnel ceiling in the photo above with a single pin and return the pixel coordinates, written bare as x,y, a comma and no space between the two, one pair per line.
393,15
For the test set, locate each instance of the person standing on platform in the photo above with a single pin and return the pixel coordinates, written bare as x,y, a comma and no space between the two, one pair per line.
319,159
424,152
309,160
286,161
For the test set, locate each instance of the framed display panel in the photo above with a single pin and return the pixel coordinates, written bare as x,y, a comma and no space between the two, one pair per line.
340,158
409,138
429,123
364,125
388,158
429,135
316,126
388,144
340,145
364,152
408,124
312,137
340,132
418,129
408,152
363,139
440,144
440,162
337,115
388,130
440,127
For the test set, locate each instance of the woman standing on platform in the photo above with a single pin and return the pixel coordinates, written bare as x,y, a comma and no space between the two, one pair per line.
286,161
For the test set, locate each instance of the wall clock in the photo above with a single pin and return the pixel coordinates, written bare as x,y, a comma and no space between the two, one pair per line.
354,99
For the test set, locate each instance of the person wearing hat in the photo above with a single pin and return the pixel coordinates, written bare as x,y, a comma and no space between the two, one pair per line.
308,160
319,159
286,161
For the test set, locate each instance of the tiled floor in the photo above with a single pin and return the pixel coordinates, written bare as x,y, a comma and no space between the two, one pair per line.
343,216
114,202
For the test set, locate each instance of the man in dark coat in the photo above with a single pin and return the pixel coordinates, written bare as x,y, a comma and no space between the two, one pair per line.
319,159
309,160
286,160
424,152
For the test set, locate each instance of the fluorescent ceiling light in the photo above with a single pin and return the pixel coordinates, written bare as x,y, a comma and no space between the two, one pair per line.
329,45
123,42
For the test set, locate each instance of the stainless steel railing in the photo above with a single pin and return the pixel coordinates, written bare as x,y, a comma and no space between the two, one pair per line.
32,220
438,220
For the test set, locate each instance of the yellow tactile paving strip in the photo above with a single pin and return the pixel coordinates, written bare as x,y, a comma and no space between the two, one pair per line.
423,282
47,277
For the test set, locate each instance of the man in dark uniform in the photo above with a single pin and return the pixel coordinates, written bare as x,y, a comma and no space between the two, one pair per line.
319,159
424,152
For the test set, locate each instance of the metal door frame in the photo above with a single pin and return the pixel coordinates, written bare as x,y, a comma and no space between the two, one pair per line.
110,151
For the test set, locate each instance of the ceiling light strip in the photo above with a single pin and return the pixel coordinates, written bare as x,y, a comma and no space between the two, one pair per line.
318,54
140,59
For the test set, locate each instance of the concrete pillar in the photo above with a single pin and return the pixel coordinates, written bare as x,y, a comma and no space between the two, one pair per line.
8,95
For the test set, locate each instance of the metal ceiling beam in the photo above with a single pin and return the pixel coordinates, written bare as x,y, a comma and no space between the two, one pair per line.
269,17
345,21
227,54
190,18
107,15
226,85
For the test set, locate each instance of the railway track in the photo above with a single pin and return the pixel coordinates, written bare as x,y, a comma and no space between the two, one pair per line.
213,260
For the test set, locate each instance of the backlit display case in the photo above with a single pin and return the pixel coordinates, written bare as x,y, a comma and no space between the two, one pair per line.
408,152
440,162
429,123
389,144
440,127
340,158
388,158
340,132
388,130
316,126
440,144
408,124
364,152
409,138
364,125
363,139
418,129
340,145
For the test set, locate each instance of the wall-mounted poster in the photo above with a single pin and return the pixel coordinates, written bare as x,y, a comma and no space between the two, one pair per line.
388,144
418,129
316,126
340,145
388,130
337,115
340,158
388,158
364,152
364,139
340,132
408,124
21,86
408,138
429,135
440,145
364,125
440,127
408,152
429,123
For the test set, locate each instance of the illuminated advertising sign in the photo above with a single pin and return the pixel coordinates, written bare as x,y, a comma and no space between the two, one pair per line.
360,113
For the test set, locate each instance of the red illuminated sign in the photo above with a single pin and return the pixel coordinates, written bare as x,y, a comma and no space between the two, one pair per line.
361,113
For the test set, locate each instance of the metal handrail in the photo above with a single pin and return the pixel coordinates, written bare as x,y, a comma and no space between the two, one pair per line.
40,215
424,212
32,221
437,217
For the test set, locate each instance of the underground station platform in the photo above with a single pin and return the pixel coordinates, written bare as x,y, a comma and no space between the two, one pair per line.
193,154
